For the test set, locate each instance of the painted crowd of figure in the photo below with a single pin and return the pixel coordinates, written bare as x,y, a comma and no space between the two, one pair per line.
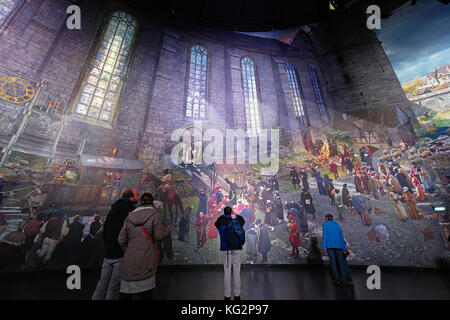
404,187
53,236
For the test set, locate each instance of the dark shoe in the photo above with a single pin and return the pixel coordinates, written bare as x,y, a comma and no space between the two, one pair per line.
237,298
350,283
227,298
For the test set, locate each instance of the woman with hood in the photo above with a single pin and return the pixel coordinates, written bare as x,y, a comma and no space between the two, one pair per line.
138,236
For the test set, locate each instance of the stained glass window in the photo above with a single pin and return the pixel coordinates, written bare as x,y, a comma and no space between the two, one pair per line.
250,96
317,92
101,91
6,8
196,97
295,88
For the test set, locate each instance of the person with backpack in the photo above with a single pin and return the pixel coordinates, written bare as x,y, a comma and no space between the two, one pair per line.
232,238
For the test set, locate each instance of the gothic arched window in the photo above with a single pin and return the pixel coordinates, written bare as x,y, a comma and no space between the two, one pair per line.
101,90
6,8
295,88
250,96
196,96
317,92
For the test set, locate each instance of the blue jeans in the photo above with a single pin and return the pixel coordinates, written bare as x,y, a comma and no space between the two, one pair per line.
339,266
108,287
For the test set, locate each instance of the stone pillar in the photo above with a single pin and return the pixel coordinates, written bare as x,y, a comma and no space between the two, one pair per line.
284,117
239,121
229,120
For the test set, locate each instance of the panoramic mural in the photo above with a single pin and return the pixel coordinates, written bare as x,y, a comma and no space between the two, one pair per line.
134,108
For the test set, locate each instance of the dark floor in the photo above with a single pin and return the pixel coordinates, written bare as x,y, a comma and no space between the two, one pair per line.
258,283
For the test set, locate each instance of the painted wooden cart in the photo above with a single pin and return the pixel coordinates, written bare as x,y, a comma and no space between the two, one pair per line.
101,182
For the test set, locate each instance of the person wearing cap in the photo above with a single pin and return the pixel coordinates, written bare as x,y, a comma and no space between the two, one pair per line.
108,287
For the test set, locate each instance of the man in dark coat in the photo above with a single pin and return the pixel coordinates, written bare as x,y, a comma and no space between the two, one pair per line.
269,218
349,165
278,205
234,189
69,249
345,196
294,178
402,179
202,202
275,183
320,185
307,201
303,225
183,232
264,244
292,204
108,286
326,184
304,175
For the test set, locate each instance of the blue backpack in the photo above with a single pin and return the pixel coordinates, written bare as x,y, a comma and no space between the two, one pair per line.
235,235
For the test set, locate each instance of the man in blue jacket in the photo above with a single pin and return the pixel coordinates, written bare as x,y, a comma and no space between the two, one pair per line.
334,245
231,256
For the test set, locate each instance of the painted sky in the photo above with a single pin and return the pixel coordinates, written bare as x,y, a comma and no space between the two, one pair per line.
417,38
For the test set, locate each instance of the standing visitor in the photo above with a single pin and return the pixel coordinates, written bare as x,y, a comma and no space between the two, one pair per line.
108,287
334,245
232,238
137,238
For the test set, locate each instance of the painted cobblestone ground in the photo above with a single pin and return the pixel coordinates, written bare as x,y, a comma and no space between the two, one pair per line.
406,245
